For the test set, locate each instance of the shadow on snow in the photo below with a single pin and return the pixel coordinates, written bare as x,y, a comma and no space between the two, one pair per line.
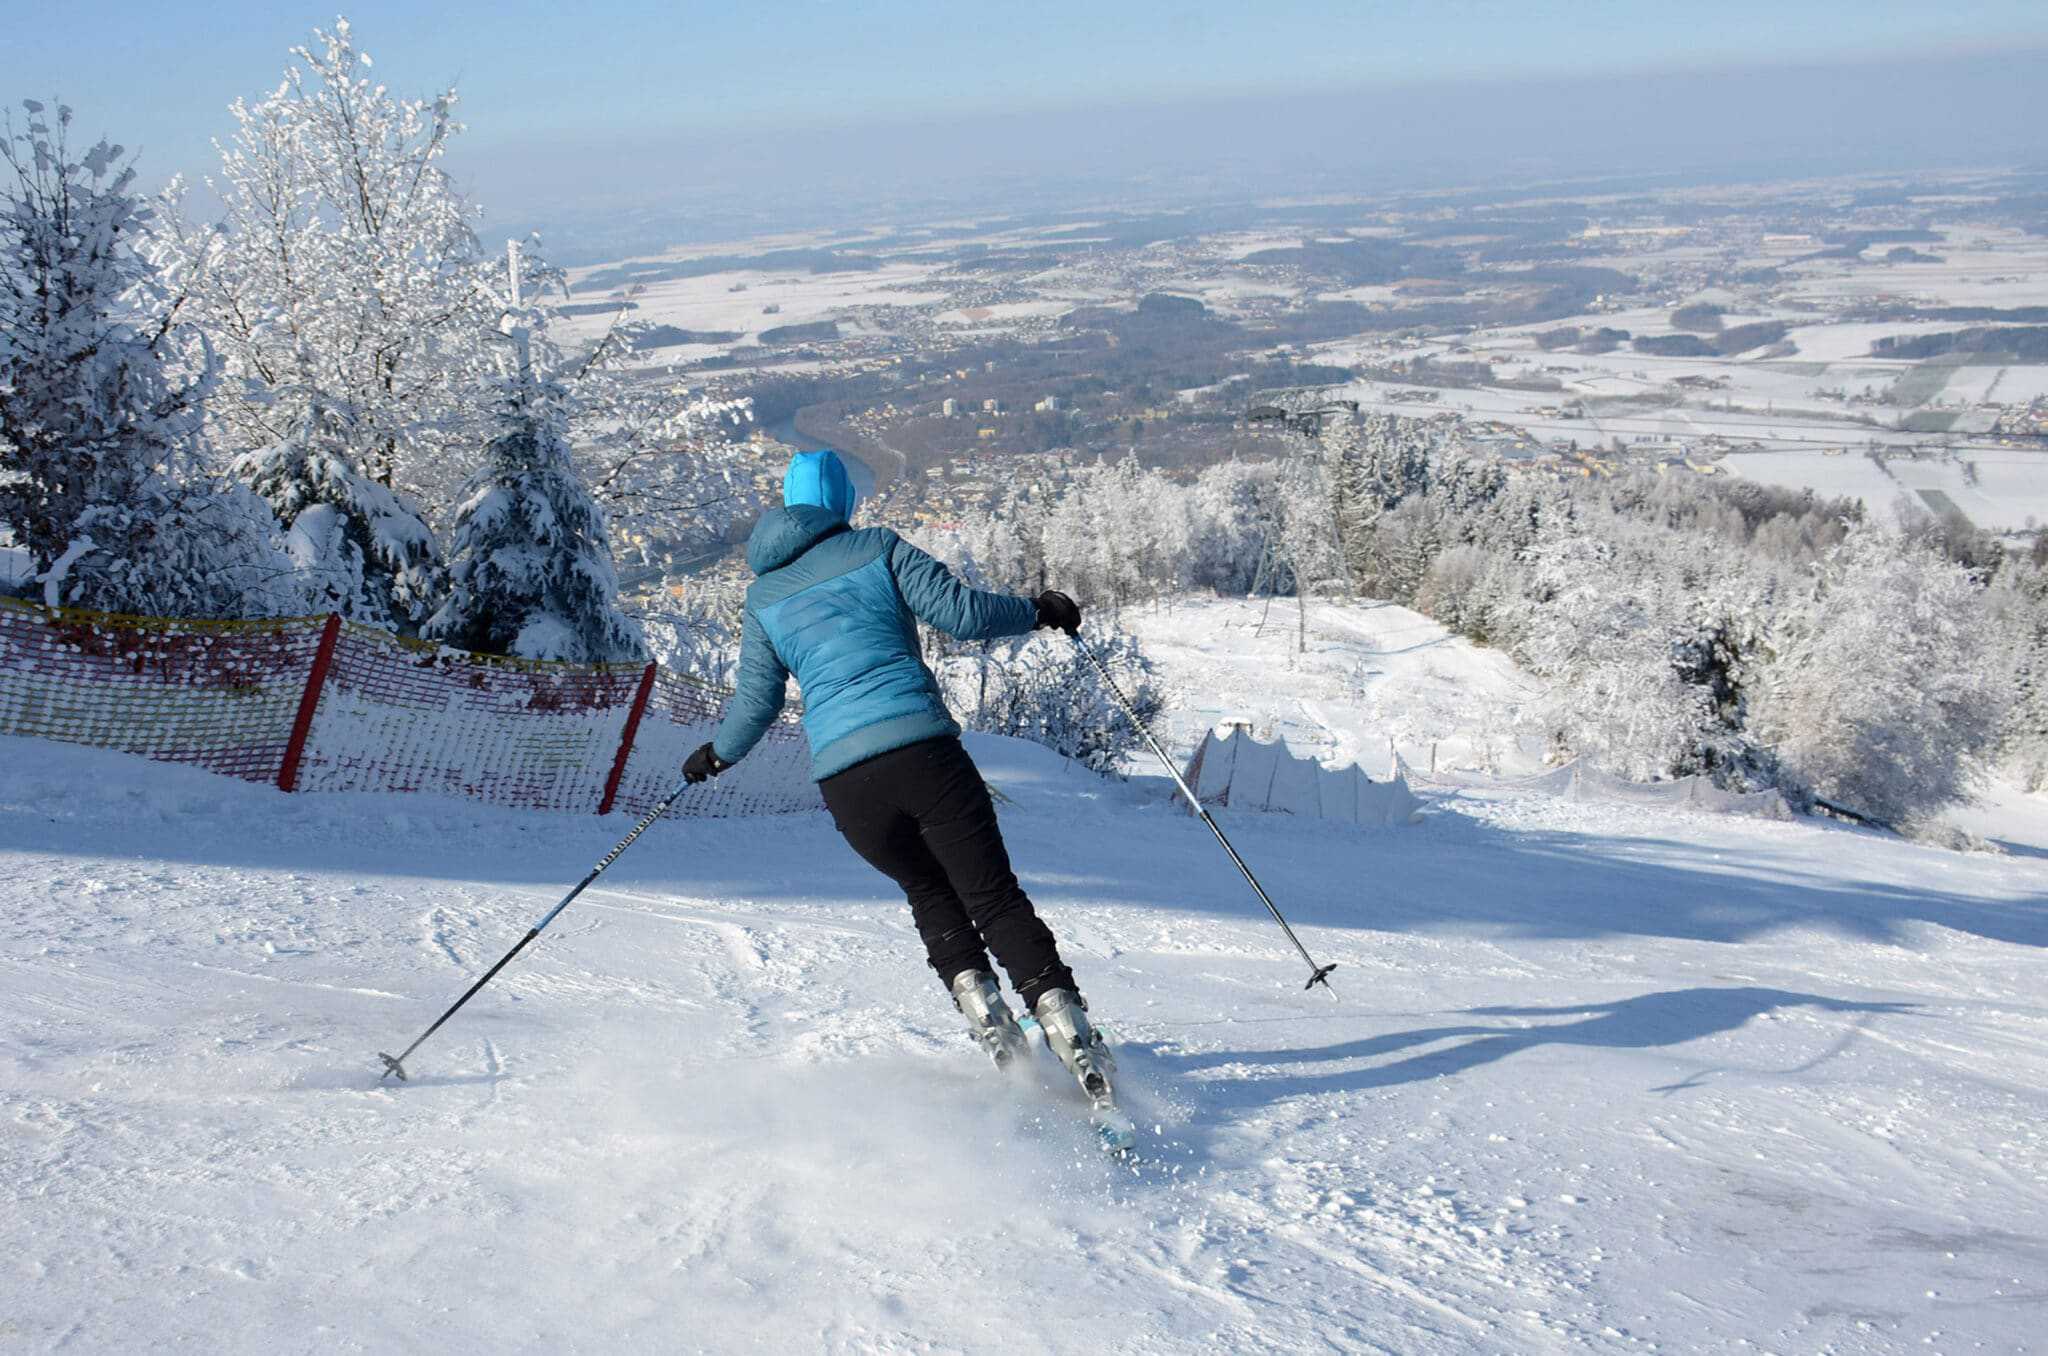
1670,1017
1086,843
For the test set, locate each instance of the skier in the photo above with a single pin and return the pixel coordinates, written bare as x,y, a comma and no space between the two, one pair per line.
837,606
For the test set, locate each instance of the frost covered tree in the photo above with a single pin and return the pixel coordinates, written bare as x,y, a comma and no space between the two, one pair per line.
530,572
1458,590
655,452
359,546
1047,691
184,546
101,472
697,632
1235,518
86,409
1682,625
1600,628
340,291
2018,605
1880,692
1042,688
1119,534
1007,545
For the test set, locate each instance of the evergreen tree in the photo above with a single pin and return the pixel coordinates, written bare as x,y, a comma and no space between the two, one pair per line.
530,573
361,546
104,483
86,410
2018,602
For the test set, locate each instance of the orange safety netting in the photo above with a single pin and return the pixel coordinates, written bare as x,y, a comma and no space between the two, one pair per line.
388,714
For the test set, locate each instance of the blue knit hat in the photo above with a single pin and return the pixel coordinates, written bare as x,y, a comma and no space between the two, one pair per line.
819,478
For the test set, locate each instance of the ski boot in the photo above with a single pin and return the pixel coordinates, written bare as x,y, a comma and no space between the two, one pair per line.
980,1001
1063,1017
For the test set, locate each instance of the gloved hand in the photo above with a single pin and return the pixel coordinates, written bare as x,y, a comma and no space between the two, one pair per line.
1057,610
703,765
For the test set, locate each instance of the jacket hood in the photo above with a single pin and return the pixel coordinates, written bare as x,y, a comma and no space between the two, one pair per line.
784,534
820,478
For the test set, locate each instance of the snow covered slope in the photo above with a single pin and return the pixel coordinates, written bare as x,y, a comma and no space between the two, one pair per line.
1595,1078
1356,676
1366,677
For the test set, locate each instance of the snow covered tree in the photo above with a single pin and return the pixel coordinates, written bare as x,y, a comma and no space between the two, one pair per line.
1007,544
1880,692
86,409
342,282
1118,534
101,475
360,546
655,452
1373,463
697,631
2018,605
1453,590
1046,691
1236,517
1600,628
530,573
182,547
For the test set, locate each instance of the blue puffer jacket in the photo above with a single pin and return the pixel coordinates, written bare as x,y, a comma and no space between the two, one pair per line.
835,606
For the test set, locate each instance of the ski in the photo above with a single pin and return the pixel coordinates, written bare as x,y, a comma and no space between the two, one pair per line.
1081,1047
1114,1129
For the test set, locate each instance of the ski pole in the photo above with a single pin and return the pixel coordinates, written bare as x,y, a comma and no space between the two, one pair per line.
1318,974
395,1064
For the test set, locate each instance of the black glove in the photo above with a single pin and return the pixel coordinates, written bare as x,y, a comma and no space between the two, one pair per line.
703,765
1057,610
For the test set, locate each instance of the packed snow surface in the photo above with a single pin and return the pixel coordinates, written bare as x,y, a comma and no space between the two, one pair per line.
1594,1077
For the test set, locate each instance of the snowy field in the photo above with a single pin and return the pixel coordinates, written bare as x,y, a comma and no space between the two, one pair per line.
1785,432
1980,266
2010,491
1595,1078
1792,409
711,303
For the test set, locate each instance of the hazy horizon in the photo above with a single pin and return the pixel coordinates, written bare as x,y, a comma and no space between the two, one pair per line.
632,127
1958,111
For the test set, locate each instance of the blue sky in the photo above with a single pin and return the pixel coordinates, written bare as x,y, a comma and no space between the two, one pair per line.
160,74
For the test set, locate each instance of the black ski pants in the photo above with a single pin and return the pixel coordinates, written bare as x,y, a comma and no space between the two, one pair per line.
921,816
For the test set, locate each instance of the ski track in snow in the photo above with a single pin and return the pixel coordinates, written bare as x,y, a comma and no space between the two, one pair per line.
1595,1077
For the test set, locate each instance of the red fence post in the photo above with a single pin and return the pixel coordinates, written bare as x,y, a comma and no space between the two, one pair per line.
309,701
611,784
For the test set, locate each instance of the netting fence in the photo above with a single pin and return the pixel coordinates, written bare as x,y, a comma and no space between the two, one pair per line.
319,704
